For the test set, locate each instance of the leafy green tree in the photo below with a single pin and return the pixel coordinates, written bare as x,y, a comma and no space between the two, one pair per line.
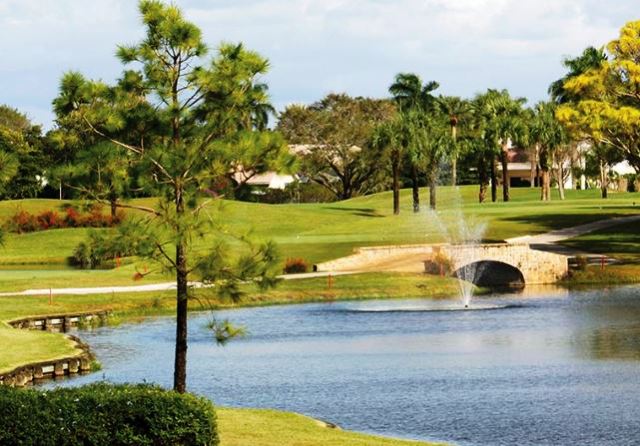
605,105
196,110
334,138
412,95
24,142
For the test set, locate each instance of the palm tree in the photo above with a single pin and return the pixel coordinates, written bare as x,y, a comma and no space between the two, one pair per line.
412,95
507,126
548,135
456,109
392,138
429,140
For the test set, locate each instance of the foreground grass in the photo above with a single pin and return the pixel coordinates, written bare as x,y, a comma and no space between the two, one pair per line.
255,427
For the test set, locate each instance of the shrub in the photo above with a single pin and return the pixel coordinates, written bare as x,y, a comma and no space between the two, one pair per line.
22,221
49,220
439,264
81,257
293,266
72,217
105,414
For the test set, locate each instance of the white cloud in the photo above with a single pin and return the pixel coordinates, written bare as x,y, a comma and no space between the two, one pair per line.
317,46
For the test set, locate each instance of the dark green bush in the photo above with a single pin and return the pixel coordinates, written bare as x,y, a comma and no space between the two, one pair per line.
105,414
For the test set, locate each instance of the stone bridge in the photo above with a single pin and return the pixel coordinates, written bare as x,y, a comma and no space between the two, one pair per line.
482,264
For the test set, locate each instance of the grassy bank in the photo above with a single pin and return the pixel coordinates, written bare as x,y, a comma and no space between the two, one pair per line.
132,305
252,427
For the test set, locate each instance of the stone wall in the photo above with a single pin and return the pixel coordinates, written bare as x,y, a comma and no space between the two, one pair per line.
56,368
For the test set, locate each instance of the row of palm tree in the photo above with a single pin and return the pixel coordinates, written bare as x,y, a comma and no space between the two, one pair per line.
431,130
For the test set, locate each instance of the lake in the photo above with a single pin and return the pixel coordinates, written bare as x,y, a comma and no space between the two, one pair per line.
545,367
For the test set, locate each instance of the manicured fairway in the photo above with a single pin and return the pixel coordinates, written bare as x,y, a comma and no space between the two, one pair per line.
319,232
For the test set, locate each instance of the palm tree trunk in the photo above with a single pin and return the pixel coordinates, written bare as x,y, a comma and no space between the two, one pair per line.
561,180
534,164
395,167
433,184
415,189
494,181
483,179
504,158
546,185
454,156
603,179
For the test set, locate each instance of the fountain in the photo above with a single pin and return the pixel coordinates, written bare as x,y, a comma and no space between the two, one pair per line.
470,232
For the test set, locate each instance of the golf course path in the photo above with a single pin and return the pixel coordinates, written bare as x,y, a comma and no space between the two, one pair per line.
574,231
165,286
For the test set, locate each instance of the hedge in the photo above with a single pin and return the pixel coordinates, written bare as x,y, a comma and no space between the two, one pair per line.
105,414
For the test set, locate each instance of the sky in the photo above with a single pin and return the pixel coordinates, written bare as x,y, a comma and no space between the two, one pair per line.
318,46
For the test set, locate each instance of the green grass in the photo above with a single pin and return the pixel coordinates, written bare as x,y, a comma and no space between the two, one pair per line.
21,346
23,278
259,427
319,232
622,242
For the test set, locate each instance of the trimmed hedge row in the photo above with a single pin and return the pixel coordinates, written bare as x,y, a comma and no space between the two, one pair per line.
105,414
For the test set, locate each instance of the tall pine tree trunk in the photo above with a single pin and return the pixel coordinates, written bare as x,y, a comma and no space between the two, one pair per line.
182,300
415,189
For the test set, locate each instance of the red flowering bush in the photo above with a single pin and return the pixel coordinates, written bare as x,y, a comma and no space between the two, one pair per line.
23,221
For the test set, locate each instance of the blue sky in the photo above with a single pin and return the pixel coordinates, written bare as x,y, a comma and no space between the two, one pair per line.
318,46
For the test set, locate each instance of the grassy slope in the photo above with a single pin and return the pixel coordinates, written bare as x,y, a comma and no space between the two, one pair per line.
254,427
319,232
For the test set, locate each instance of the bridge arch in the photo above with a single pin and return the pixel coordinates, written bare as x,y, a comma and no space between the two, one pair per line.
491,273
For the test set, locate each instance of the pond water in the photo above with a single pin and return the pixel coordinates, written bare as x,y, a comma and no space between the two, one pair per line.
541,368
